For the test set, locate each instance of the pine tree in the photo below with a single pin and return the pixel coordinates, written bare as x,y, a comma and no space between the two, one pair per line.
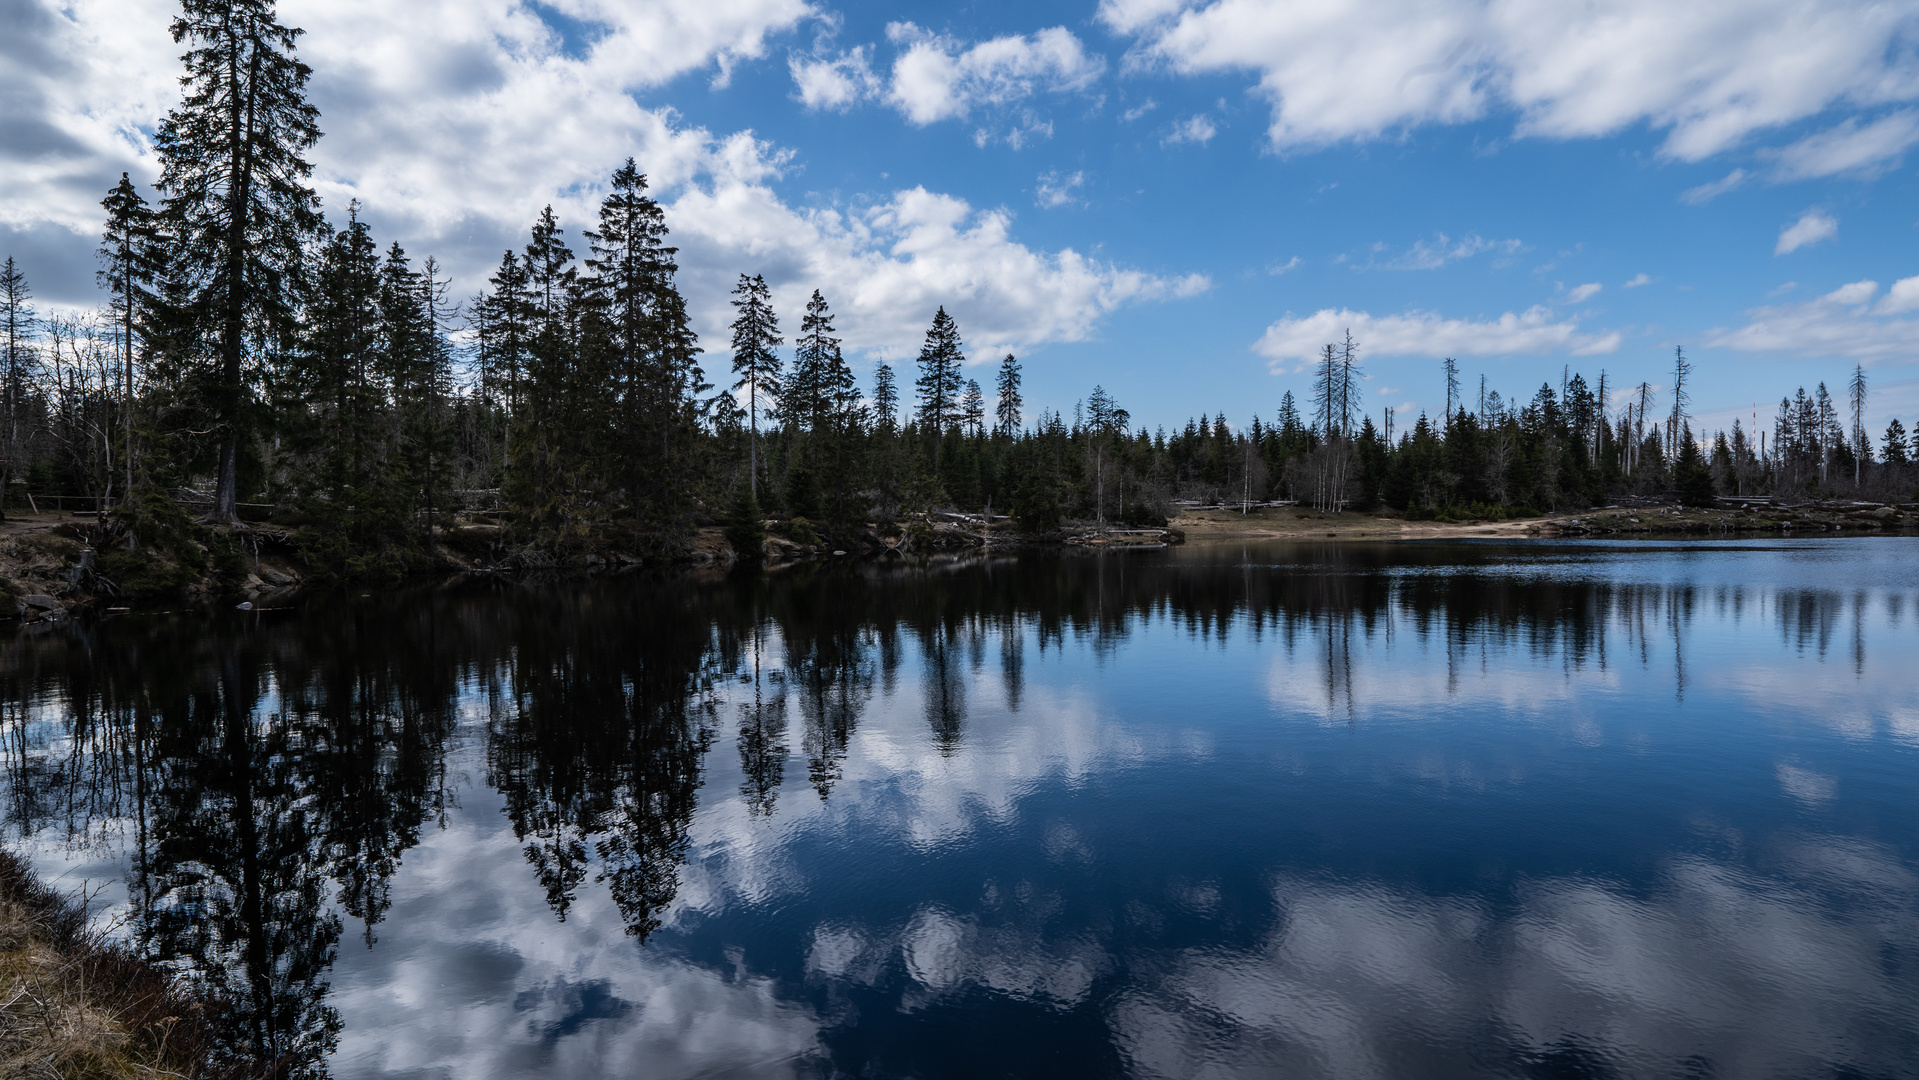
972,409
1894,448
131,262
238,207
651,349
1006,412
756,331
886,400
939,381
19,322
1690,473
334,381
817,382
502,325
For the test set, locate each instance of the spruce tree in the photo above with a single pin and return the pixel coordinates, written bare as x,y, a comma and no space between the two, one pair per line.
19,322
1006,417
333,382
650,352
131,262
756,331
238,207
502,325
939,381
1691,475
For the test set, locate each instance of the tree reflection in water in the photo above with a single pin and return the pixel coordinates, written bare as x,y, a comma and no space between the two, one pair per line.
265,774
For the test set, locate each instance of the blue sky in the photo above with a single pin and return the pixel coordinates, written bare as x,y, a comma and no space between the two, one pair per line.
1179,199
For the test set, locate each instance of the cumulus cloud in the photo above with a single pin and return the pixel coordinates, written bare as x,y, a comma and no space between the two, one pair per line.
897,261
1582,293
835,83
1901,298
454,123
1637,280
1713,964
937,78
1812,227
1194,129
1841,323
1709,75
1535,331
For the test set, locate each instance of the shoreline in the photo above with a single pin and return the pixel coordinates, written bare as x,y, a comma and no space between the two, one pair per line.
49,570
77,1004
1667,521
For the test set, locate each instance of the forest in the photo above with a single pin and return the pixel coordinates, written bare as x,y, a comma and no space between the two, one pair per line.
251,355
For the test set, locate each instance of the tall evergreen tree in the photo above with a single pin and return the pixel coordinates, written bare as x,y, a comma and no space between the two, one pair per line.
238,207
1006,417
19,322
939,381
651,352
820,376
756,332
886,401
334,378
131,261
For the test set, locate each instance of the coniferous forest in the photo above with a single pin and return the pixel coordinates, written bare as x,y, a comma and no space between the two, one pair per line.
257,354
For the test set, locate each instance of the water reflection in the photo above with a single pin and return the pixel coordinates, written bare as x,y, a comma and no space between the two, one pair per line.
1339,811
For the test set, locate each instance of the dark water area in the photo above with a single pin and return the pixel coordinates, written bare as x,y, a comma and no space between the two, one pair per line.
1540,809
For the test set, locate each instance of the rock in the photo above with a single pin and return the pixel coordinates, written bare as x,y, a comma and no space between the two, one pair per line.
244,605
277,577
41,601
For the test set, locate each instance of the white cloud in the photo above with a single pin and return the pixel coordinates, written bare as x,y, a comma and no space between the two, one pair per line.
1901,298
1057,190
454,122
1637,280
1582,293
1285,267
885,268
1848,149
1194,129
1708,74
1843,323
836,83
1138,111
1442,249
1710,963
1535,331
1812,227
1705,193
936,79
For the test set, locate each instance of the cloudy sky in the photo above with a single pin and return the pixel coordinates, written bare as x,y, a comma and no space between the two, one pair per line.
1180,199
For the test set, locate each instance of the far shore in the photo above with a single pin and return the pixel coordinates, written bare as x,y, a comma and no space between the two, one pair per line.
1721,521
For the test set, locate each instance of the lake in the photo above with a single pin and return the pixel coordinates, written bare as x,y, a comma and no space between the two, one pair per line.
1368,810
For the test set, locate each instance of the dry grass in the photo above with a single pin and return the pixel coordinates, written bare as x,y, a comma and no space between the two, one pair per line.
75,1007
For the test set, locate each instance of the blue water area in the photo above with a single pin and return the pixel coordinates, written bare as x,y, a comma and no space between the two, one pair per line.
1553,809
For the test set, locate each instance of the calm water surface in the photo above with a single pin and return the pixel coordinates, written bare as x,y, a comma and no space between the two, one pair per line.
1502,809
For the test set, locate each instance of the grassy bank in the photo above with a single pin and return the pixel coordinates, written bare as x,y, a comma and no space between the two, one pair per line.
75,1006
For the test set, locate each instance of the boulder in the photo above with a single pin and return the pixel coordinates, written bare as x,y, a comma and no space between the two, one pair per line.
41,601
276,577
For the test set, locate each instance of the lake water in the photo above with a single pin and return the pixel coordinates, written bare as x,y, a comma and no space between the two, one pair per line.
1472,809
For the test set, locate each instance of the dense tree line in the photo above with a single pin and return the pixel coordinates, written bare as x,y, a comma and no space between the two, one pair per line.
250,351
